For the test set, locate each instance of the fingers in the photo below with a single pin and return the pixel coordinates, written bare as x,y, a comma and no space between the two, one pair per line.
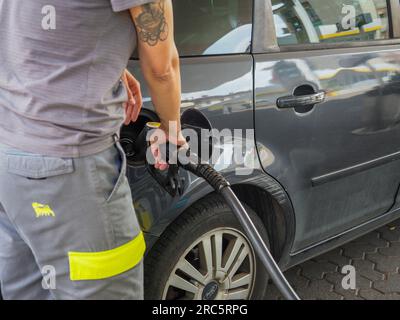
129,107
137,108
157,139
134,86
134,104
159,162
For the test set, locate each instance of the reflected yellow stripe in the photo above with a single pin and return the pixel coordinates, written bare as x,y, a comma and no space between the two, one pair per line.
371,29
340,34
359,70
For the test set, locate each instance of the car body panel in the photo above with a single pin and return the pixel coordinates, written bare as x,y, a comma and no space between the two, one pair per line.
326,157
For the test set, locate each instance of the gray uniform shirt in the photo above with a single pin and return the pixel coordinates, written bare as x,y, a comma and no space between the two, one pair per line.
60,70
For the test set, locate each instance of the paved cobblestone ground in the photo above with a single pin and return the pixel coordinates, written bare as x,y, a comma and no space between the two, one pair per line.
376,258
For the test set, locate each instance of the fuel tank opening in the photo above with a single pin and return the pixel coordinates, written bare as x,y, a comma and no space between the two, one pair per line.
130,133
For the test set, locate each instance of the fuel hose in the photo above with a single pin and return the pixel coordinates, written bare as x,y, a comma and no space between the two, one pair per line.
222,186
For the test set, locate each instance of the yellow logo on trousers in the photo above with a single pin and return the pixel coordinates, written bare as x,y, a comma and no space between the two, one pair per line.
42,210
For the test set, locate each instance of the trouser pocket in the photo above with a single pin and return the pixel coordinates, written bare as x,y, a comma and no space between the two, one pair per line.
110,172
122,171
36,166
114,194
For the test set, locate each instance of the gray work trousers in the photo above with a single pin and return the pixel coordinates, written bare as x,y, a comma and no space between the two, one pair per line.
68,229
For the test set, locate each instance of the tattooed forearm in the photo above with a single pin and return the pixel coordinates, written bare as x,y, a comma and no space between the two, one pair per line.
151,23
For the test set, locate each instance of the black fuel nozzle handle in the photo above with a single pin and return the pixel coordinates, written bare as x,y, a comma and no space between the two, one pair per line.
170,181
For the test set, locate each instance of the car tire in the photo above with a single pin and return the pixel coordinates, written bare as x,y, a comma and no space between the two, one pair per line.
202,226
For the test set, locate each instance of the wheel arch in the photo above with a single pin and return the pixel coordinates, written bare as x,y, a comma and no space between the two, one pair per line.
276,215
271,203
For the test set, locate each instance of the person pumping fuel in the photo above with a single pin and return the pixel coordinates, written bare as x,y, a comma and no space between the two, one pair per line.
65,202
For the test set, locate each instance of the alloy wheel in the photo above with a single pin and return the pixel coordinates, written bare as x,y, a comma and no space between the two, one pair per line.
220,265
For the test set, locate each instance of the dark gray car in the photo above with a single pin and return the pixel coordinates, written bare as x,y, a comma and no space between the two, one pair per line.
319,82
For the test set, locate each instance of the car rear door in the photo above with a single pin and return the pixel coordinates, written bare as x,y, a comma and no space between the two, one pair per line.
327,92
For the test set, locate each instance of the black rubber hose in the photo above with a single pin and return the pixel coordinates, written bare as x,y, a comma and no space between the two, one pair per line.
222,186
259,245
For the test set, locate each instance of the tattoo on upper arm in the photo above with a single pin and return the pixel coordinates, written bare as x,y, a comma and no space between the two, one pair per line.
152,24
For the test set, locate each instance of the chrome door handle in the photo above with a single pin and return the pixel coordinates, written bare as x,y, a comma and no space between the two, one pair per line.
301,101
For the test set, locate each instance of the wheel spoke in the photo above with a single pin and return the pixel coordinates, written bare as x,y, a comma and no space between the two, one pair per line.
206,258
218,251
240,280
231,254
239,294
186,267
238,262
183,284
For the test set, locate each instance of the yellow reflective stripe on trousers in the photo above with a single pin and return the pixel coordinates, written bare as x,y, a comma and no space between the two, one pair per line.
106,264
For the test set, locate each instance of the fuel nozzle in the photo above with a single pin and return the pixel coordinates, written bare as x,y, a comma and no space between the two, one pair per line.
137,146
170,180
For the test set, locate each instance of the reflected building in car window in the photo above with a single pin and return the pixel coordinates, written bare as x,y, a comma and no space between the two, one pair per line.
204,27
327,21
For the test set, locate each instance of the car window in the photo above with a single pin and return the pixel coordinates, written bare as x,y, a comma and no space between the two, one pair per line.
209,27
327,21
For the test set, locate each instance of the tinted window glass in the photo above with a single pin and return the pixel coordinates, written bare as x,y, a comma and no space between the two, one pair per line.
322,21
207,27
